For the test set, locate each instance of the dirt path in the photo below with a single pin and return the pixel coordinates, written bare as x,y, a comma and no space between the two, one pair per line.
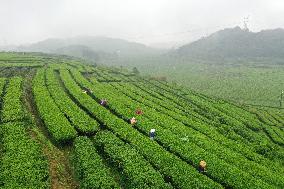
60,169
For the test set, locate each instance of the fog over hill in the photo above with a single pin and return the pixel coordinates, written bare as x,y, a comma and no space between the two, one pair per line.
236,43
94,48
230,43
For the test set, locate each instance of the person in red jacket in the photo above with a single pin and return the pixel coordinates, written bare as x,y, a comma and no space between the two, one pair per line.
139,112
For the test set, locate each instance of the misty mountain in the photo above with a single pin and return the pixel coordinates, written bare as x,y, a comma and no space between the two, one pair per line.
7,47
235,43
80,51
94,48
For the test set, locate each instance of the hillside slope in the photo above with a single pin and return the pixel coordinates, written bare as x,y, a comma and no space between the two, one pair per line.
54,107
237,43
91,47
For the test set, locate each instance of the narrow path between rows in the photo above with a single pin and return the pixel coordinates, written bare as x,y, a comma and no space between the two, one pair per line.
60,169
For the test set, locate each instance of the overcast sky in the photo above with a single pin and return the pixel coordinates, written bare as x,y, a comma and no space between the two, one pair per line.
146,21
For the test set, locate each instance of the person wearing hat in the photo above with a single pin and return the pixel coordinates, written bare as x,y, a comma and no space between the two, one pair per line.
152,134
133,121
103,102
202,166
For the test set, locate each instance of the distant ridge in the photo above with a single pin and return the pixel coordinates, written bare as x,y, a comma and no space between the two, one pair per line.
236,43
89,47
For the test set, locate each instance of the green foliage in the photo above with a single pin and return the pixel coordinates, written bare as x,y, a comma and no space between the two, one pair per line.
169,135
13,109
89,166
58,125
82,122
137,172
246,82
22,164
182,174
243,146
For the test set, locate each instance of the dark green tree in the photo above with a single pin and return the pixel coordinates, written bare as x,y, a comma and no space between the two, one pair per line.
135,71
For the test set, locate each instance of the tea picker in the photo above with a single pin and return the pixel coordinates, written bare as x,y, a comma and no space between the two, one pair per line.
90,90
103,102
133,121
202,166
152,134
139,112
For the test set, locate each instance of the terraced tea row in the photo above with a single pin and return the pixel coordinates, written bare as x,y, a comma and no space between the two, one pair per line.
182,175
243,147
22,162
167,135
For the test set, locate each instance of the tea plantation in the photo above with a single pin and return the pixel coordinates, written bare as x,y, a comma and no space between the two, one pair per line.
54,132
